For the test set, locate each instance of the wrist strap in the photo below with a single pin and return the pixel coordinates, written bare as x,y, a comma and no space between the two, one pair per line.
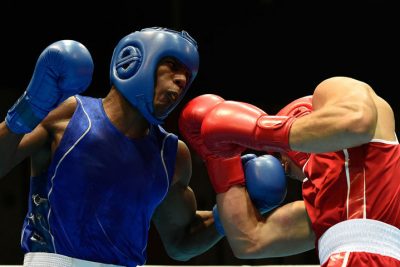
225,172
21,118
273,132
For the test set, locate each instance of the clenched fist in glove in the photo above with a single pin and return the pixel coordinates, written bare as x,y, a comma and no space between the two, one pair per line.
265,182
297,108
63,69
224,163
243,124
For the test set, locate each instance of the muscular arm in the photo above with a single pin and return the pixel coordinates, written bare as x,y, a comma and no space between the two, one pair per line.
185,231
285,231
63,69
8,146
18,146
35,144
344,116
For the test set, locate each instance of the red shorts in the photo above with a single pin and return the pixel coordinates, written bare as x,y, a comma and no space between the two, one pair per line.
360,259
360,242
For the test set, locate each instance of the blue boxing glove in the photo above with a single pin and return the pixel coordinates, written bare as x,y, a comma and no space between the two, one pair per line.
265,182
63,69
247,157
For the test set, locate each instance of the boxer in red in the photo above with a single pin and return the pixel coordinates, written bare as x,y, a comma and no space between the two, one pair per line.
341,143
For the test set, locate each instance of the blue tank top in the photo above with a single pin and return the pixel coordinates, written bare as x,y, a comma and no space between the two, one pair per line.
97,198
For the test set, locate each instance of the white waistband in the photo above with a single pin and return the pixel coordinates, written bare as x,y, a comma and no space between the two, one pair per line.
42,259
360,235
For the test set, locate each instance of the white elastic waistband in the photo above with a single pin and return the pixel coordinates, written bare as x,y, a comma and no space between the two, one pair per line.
42,259
360,235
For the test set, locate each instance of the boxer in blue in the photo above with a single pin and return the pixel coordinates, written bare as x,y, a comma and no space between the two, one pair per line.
103,169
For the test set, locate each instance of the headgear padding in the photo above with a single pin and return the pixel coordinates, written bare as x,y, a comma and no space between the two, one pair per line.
134,64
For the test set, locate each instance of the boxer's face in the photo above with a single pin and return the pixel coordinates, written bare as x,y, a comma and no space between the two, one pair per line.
171,80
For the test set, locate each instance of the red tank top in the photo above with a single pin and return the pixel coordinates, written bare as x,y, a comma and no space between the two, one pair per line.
360,182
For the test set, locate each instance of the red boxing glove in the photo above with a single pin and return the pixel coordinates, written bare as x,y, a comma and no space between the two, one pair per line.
224,171
191,118
243,124
298,108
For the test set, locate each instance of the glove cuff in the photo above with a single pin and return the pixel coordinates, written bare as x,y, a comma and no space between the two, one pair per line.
225,172
273,132
22,117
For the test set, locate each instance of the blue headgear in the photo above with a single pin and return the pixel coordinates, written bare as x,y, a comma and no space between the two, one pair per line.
134,64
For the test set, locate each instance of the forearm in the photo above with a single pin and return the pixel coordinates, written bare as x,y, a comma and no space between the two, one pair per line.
63,69
185,231
333,128
344,115
200,236
8,145
285,231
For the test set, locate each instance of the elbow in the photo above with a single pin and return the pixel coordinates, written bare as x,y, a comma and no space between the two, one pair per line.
243,255
179,256
363,126
250,252
179,253
360,123
249,248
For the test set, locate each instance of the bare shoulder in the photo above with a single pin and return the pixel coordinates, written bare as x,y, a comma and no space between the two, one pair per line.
341,89
385,129
60,114
183,164
57,120
66,108
341,84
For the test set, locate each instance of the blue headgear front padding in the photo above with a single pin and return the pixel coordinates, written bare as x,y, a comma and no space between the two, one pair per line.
134,64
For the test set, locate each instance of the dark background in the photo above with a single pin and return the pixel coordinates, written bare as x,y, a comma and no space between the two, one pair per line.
266,52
